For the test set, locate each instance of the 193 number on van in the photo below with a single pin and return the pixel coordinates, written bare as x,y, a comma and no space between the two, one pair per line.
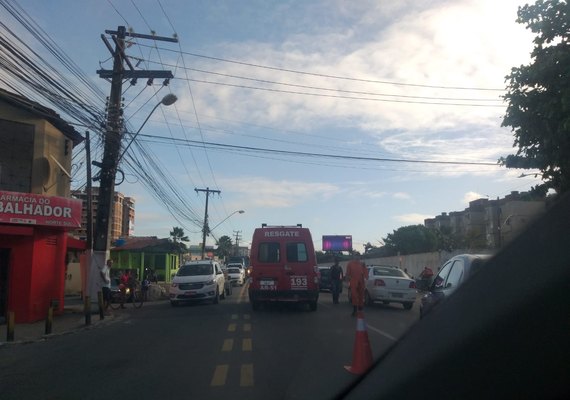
298,282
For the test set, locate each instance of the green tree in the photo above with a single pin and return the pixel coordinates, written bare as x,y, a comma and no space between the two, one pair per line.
224,247
177,237
410,240
538,97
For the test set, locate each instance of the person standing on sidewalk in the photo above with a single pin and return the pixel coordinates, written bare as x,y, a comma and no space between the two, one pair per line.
356,274
106,285
336,280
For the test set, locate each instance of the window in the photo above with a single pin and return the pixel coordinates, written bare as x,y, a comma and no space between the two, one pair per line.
269,252
442,276
455,275
297,252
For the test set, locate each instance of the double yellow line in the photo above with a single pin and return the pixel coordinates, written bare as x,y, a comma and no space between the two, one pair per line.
246,370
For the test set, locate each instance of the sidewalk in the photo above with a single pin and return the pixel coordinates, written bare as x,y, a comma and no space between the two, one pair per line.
71,320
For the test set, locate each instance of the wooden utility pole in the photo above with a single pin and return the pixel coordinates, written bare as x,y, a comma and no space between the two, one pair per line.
205,229
113,136
237,239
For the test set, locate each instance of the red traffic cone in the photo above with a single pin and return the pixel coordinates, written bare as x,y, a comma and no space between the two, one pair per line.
362,353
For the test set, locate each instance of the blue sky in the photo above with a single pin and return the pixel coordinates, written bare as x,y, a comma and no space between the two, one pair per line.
404,80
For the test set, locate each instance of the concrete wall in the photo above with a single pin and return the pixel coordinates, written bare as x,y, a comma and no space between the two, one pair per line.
414,263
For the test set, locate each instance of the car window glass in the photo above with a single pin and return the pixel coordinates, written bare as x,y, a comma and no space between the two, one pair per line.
454,277
269,252
439,280
296,252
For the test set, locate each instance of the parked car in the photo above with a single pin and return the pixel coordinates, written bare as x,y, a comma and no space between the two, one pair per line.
325,279
389,284
236,274
198,280
451,275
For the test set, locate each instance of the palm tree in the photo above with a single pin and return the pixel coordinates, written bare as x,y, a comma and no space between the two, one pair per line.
178,237
224,247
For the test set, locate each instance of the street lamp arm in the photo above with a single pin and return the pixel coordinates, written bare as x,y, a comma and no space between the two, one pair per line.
224,220
167,100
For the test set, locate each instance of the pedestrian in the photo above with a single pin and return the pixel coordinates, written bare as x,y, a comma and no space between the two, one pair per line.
356,274
144,288
336,280
106,285
426,276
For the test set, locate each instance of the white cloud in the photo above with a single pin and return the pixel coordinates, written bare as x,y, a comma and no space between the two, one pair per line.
412,218
471,196
402,196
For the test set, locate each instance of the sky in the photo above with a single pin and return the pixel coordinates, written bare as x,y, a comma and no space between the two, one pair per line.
349,117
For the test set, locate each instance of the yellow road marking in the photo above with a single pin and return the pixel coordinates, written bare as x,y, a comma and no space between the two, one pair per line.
246,345
228,345
247,327
220,375
246,376
232,327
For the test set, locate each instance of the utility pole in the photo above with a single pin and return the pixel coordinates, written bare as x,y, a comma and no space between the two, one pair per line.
237,238
205,229
113,136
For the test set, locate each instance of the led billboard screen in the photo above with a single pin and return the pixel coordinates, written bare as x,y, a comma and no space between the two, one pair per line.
337,242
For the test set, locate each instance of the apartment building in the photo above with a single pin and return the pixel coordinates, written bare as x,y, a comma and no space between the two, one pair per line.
491,223
123,214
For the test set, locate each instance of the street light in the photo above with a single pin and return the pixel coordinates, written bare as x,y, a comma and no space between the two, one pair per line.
207,230
167,100
224,220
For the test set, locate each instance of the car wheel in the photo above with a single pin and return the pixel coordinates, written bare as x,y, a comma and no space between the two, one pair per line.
216,299
408,306
313,305
229,290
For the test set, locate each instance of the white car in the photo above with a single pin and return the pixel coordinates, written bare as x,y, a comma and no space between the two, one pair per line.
389,284
236,273
198,280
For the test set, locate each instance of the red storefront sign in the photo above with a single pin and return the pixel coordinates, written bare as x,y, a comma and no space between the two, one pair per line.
34,209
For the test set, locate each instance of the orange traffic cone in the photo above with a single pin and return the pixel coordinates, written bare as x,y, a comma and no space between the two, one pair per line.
362,353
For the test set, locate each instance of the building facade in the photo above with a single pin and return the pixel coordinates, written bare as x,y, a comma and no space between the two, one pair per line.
122,219
491,223
36,211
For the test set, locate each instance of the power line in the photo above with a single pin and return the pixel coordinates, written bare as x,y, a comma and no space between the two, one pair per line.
338,76
333,156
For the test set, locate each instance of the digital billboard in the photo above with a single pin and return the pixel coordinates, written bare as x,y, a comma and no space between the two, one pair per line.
337,242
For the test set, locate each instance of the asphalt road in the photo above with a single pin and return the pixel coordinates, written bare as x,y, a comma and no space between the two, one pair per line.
203,350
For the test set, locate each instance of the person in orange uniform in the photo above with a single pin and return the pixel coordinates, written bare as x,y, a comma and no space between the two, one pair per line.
356,274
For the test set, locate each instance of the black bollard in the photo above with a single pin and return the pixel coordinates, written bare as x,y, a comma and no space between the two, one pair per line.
10,327
49,319
101,306
87,310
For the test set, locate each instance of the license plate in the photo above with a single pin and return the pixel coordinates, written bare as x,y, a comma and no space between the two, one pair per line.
189,293
267,284
397,295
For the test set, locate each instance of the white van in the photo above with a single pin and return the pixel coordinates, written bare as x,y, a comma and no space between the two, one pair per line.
198,280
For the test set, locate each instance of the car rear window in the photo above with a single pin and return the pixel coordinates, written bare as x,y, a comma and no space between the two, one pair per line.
269,252
389,272
297,252
195,269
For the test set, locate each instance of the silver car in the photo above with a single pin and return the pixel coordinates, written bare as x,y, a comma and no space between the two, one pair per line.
389,284
451,276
